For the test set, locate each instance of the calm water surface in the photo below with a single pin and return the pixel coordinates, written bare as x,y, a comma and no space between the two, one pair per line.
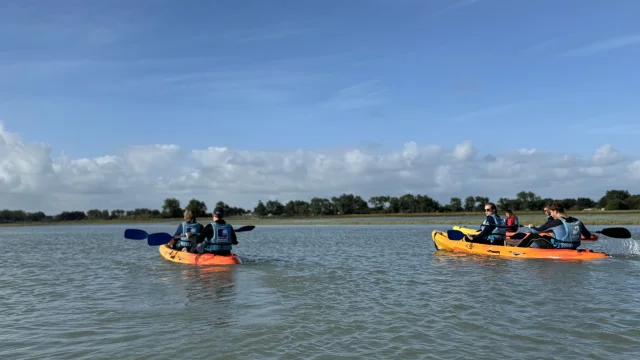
312,292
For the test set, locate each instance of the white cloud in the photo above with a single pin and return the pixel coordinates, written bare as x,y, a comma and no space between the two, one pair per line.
464,151
607,155
143,176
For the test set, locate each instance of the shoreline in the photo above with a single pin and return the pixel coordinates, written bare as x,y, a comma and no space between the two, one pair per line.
589,218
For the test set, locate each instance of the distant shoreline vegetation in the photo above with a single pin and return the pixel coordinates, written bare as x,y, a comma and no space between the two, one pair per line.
339,207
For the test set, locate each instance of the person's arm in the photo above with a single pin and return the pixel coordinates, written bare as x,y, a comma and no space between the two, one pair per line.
488,229
178,232
234,238
206,233
548,225
584,231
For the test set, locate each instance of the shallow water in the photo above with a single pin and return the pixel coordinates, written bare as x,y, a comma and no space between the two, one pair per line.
313,292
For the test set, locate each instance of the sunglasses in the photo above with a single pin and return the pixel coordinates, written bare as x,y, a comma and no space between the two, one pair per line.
487,209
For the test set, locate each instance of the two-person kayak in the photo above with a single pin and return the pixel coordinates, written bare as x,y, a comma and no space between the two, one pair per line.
469,231
198,259
442,242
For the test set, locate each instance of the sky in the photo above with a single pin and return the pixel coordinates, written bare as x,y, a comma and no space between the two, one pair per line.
121,104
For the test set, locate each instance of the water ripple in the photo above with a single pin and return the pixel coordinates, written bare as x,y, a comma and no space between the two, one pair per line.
313,292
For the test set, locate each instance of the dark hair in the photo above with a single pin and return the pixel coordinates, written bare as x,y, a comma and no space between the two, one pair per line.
509,211
556,206
492,205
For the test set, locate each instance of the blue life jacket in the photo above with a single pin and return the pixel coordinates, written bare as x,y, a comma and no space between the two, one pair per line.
194,229
567,235
221,239
498,233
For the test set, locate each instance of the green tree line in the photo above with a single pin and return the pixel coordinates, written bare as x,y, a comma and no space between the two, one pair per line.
345,204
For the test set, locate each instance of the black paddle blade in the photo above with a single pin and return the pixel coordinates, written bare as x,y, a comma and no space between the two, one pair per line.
615,232
455,235
245,228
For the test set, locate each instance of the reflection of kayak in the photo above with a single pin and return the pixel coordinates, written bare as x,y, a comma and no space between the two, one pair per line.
197,259
442,242
470,231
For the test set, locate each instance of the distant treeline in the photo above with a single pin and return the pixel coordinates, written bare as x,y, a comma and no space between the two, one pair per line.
345,204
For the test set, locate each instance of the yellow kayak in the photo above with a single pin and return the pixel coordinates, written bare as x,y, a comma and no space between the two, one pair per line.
442,242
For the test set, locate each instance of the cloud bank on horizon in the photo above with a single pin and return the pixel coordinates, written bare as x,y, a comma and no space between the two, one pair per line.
143,176
121,104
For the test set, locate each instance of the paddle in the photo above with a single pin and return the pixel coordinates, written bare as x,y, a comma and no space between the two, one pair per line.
612,232
245,228
459,235
615,232
135,234
455,235
157,239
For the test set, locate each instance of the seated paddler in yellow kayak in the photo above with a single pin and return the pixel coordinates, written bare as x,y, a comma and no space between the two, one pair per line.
567,231
493,229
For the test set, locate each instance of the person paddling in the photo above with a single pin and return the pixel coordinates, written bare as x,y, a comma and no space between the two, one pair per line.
489,232
217,237
567,231
186,234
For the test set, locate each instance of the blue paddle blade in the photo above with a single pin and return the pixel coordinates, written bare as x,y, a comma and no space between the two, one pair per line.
156,239
455,235
135,234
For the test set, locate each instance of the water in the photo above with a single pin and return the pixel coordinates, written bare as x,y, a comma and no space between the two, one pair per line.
475,220
312,292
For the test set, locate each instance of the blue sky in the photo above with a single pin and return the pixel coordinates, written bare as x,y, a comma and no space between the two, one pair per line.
315,98
89,77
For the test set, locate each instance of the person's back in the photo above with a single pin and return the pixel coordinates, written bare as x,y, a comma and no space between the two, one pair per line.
567,234
218,236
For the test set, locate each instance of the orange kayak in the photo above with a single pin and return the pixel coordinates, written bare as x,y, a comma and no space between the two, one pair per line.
470,231
198,259
442,242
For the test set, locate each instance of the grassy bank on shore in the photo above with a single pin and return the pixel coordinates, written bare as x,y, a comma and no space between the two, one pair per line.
605,218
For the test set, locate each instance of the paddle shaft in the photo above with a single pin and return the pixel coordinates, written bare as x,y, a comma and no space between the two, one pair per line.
156,239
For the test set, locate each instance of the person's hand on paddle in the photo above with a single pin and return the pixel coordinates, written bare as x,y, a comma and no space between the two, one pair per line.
530,225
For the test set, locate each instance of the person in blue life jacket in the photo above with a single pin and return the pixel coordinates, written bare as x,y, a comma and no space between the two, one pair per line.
218,237
186,234
493,230
567,231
